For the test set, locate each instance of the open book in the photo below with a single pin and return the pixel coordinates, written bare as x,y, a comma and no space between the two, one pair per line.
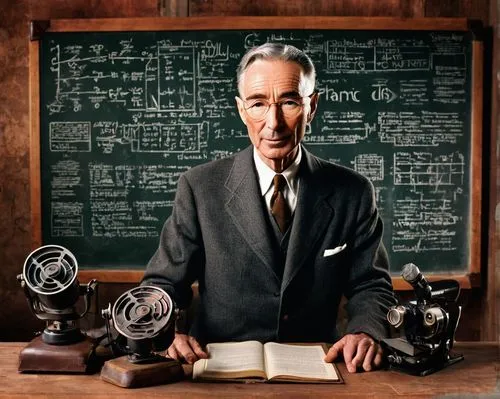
251,360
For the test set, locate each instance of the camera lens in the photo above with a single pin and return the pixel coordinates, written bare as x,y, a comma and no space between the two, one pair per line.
395,316
435,321
430,319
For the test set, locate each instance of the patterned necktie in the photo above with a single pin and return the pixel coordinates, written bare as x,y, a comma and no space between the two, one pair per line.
279,207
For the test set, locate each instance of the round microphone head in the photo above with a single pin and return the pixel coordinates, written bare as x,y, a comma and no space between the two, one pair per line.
143,312
50,270
410,272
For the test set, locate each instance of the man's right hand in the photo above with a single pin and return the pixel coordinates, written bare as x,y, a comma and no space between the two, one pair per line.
186,348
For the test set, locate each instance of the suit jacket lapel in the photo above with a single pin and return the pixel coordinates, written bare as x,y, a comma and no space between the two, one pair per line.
245,206
312,215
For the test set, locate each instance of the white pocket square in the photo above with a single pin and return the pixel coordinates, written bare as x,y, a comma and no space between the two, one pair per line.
333,251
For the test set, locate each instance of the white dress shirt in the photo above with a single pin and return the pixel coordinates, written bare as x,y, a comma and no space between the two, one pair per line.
266,175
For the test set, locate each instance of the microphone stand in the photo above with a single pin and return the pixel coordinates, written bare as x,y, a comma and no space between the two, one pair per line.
62,347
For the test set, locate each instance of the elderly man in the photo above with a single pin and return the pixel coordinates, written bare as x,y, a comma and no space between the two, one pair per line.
274,235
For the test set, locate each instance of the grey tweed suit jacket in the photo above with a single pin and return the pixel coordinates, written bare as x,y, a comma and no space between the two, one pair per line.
219,234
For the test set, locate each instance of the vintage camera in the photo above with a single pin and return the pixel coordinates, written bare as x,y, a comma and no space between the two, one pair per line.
427,326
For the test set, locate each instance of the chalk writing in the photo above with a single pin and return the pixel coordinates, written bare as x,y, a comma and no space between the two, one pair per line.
124,114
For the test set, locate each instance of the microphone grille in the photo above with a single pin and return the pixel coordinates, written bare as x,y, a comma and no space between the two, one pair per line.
410,272
143,312
50,270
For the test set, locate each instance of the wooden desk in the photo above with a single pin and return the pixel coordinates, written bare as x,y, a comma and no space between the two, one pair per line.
477,374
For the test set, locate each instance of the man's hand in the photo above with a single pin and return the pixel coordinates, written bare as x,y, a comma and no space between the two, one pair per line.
358,350
186,348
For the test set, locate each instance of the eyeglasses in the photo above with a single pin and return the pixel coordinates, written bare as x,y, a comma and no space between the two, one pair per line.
290,107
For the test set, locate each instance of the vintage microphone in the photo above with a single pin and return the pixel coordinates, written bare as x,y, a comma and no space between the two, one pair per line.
411,274
144,321
51,286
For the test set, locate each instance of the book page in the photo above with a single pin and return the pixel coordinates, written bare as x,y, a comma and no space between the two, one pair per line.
298,361
231,359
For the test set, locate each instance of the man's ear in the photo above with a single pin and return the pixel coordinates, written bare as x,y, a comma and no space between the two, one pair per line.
313,106
241,109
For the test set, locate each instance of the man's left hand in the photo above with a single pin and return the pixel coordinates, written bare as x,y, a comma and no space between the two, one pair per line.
359,351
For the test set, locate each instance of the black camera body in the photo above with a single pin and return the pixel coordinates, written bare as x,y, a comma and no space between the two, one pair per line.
427,326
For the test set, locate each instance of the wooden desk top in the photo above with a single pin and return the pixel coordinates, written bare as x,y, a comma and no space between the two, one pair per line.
478,374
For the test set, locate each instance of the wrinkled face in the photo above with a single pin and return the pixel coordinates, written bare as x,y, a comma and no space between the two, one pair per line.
276,136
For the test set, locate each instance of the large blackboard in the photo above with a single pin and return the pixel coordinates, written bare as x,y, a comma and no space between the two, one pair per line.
123,114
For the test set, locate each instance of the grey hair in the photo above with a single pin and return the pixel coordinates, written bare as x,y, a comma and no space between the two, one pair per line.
275,52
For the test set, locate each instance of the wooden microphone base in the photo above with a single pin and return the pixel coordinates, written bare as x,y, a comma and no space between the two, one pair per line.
123,373
40,357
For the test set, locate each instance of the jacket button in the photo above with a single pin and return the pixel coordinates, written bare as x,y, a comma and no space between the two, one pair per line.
277,293
285,317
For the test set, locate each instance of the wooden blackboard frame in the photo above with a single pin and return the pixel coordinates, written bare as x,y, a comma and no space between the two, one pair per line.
471,278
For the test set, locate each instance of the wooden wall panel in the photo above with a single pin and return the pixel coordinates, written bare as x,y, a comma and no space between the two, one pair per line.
50,9
174,8
14,164
473,9
394,8
439,8
493,294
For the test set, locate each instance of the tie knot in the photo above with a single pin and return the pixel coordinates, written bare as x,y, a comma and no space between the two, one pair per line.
279,182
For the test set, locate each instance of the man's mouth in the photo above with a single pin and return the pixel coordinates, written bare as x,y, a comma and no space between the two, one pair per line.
277,139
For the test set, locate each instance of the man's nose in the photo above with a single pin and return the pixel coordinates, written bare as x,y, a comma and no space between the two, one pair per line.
274,116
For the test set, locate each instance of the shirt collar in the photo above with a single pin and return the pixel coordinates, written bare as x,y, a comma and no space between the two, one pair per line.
266,174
